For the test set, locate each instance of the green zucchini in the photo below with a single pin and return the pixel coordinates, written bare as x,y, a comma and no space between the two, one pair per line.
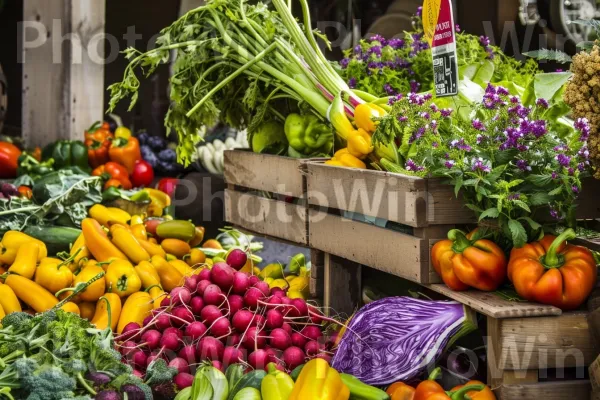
362,391
56,238
252,379
296,372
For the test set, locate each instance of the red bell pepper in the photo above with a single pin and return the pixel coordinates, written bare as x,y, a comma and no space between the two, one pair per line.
9,160
168,186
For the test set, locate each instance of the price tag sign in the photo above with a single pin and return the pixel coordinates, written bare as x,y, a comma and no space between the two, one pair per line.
438,24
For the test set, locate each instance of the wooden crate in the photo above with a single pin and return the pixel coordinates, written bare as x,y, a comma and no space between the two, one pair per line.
526,342
266,195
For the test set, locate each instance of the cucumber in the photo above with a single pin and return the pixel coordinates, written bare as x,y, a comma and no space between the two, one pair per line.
177,229
56,238
252,379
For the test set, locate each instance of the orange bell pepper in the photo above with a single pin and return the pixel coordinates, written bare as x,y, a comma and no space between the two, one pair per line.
9,160
113,171
97,140
401,391
485,394
465,261
125,152
431,390
553,272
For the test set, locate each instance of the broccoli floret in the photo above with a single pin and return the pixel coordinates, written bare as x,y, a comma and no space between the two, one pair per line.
8,349
44,383
19,321
102,360
158,372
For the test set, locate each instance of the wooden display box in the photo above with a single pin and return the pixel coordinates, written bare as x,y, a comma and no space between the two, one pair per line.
266,195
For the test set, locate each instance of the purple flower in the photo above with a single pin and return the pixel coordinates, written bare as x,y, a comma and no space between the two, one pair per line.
352,83
434,125
460,144
414,86
584,153
571,171
484,40
411,166
449,164
396,43
478,165
523,165
435,145
575,189
446,112
414,98
581,167
417,135
425,115
558,70
402,118
457,28
419,11
375,50
554,175
514,196
358,49
515,100
543,103
583,126
447,156
502,91
563,160
554,213
477,124
344,63
389,89
379,38
538,128
434,108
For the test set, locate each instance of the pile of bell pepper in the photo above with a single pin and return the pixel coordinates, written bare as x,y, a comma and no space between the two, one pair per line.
548,271
296,282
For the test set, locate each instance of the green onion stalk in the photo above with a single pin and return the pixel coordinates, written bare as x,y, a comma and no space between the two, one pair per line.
239,63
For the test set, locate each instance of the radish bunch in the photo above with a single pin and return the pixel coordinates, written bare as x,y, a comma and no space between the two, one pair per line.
225,316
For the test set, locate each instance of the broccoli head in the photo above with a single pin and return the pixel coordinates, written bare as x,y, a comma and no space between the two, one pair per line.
19,321
159,372
45,382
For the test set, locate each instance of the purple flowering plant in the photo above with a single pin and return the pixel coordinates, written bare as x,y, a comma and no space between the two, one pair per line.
506,161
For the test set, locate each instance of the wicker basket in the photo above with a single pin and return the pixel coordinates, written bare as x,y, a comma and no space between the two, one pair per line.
3,98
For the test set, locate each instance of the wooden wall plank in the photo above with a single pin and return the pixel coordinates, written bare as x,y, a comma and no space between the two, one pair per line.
269,217
343,285
63,87
561,390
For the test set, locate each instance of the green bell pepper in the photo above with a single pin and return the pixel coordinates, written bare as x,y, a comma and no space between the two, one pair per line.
68,153
307,134
28,165
277,385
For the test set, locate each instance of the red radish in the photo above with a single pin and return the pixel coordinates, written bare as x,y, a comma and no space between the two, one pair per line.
180,364
183,380
274,302
232,355
210,314
233,339
253,279
195,330
221,327
274,319
286,308
259,321
209,348
127,348
170,341
147,320
240,283
252,296
298,340
180,295
274,355
258,359
299,308
191,282
188,353
196,305
163,321
311,332
313,348
201,286
130,331
292,357
173,331
288,328
263,287
280,339
182,316
165,302
237,259
218,365
276,291
242,319
204,274
151,338
213,295
138,359
153,357
236,303
254,339
222,275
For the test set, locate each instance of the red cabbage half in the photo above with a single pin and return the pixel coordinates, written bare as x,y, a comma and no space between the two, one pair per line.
396,338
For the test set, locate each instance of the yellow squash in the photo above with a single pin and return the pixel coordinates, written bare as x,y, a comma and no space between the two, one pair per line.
139,231
157,295
108,311
122,279
182,267
79,252
54,277
98,242
87,310
147,274
177,247
170,277
105,215
31,293
8,299
125,241
26,260
153,248
71,308
137,307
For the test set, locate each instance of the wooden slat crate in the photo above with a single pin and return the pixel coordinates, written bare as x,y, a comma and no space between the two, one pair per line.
266,195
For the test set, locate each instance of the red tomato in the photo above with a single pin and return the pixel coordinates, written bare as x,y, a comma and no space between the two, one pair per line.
168,185
142,174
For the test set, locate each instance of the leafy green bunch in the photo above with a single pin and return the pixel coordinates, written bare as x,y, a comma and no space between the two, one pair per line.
511,168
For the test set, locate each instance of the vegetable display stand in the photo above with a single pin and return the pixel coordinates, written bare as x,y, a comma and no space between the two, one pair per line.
266,194
533,351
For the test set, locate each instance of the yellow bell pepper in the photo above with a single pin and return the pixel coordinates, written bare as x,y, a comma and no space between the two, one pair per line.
170,277
196,258
301,284
159,195
273,271
87,310
342,158
8,299
296,294
104,215
157,295
158,202
147,274
280,283
128,244
136,220
97,289
364,115
277,385
360,144
108,310
54,277
139,231
26,260
137,307
98,242
12,241
318,381
182,267
71,307
79,252
2,314
153,249
122,279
